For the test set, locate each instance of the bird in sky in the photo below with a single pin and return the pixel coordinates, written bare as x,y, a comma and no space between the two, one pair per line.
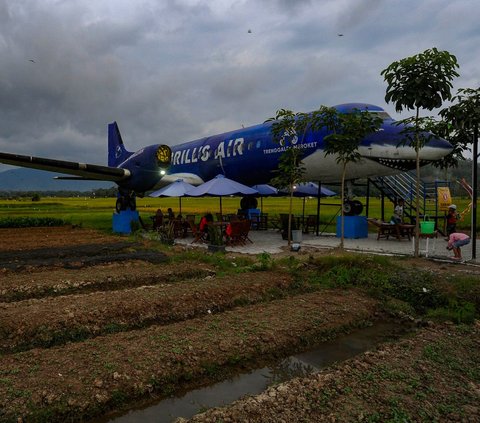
31,60
340,35
249,31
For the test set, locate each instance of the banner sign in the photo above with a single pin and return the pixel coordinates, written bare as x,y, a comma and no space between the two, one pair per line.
444,198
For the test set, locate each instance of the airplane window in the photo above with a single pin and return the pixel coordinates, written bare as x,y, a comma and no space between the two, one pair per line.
259,144
250,145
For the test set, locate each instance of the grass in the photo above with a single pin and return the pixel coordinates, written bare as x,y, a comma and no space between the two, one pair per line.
97,212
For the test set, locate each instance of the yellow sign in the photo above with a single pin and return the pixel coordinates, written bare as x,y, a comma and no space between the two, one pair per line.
444,198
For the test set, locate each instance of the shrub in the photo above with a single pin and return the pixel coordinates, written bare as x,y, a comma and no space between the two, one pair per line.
29,222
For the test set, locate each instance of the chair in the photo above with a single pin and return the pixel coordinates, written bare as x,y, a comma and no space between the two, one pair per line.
245,229
180,228
236,232
255,220
263,222
198,235
310,222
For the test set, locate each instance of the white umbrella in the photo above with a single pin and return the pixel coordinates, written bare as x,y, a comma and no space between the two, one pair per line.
179,189
220,186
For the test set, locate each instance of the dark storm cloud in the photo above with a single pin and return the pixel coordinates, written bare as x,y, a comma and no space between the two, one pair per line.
176,70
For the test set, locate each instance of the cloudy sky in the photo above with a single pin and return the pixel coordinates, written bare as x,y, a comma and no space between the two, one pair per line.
175,70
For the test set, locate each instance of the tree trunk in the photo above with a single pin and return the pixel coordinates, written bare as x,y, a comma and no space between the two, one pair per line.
417,189
342,216
290,207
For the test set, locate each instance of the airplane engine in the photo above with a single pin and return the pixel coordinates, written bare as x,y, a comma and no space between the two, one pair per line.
147,166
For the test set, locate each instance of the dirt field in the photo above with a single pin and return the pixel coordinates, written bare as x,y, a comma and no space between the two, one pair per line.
91,323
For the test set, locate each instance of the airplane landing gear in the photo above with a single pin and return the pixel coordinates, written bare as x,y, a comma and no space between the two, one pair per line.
126,200
352,208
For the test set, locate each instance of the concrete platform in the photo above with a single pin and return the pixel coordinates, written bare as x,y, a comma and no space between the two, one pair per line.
271,242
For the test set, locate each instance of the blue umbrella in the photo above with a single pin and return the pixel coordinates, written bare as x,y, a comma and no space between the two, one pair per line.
265,190
179,188
220,186
310,189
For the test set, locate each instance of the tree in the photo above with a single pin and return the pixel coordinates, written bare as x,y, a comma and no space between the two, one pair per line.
422,81
464,119
348,130
286,125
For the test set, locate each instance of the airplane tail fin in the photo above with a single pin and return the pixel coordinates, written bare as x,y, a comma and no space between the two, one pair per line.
116,150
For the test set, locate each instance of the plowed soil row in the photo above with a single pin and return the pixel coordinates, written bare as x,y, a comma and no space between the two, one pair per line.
19,239
52,321
38,283
178,325
87,378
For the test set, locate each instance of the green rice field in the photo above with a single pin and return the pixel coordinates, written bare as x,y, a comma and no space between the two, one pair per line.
97,212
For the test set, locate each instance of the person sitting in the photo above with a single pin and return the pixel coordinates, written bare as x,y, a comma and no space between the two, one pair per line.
452,218
455,241
158,219
171,215
397,217
183,224
204,222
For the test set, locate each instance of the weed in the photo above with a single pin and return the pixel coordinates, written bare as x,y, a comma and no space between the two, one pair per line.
265,261
456,311
211,369
118,397
109,366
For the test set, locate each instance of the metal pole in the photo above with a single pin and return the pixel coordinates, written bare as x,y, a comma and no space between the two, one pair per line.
383,207
475,195
368,198
318,206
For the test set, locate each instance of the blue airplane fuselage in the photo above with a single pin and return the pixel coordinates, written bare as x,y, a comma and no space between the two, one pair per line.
250,156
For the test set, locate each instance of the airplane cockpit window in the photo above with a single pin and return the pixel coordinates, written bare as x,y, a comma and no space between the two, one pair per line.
250,146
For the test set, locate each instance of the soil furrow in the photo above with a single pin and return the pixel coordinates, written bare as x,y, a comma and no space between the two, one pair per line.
87,378
54,321
379,386
111,277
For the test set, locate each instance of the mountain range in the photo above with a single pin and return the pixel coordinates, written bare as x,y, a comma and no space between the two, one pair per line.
23,179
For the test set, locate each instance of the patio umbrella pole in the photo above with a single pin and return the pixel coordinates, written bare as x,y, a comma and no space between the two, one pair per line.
303,210
318,206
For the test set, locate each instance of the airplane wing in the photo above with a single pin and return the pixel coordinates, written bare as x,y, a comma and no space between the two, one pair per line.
80,170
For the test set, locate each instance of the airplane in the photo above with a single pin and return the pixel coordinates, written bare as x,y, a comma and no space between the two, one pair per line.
247,155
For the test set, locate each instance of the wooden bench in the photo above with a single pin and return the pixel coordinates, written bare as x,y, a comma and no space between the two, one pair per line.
386,229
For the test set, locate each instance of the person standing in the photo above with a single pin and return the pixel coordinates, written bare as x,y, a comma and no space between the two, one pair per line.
452,218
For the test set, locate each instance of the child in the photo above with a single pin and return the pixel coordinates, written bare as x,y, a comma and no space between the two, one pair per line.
397,217
452,218
455,241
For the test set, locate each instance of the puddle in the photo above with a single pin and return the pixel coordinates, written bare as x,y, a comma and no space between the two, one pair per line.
256,381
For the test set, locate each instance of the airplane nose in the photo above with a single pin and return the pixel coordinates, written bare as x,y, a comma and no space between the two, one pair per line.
435,148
